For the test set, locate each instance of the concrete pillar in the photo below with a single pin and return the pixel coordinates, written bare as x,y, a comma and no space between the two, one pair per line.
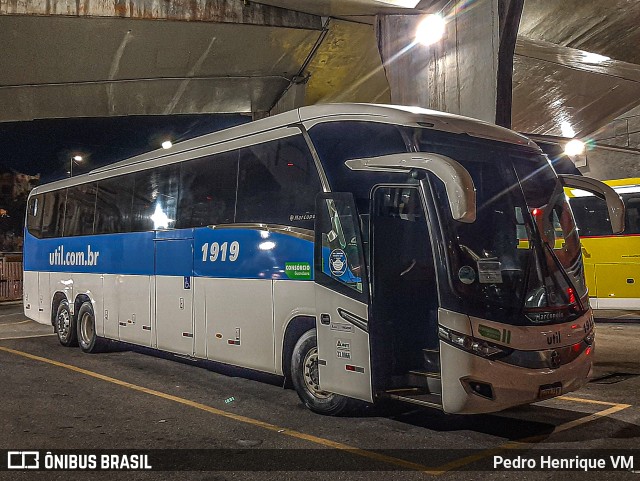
458,74
292,98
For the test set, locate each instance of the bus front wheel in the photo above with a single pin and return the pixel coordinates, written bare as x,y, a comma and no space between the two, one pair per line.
304,375
65,325
87,338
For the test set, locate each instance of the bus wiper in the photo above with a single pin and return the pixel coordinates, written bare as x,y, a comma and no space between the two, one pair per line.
539,242
469,251
566,277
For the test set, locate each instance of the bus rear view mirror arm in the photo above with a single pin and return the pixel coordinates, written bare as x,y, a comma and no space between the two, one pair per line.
458,183
615,206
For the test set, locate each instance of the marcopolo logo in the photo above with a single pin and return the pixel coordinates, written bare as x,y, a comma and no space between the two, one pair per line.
60,257
298,270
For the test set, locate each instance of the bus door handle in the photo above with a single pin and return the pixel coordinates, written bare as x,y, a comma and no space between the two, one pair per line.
325,319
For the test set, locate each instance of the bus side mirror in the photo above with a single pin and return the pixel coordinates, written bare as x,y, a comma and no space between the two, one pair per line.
457,180
615,206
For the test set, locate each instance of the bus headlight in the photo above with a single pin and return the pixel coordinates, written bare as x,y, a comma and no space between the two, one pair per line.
471,344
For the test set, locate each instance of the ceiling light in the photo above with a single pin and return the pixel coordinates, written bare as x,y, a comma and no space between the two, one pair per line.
167,144
574,147
400,3
567,130
430,30
590,57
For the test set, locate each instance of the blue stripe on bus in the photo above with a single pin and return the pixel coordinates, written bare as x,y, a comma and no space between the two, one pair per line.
260,254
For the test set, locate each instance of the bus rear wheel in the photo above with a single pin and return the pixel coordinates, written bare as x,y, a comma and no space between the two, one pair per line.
304,375
65,325
87,338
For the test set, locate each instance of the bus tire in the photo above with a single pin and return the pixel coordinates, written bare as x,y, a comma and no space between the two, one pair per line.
304,375
87,338
65,325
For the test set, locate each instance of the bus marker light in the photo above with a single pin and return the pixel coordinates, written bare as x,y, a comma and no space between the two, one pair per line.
351,368
587,351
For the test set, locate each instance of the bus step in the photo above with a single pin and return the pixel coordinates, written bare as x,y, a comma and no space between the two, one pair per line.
430,381
427,400
423,374
431,359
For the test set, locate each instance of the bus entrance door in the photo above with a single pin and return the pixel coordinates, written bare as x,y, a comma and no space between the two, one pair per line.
174,295
344,361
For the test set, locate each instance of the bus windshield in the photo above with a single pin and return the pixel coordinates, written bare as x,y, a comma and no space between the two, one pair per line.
522,254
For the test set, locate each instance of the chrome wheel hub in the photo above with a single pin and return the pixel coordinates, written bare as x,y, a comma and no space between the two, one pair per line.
310,374
63,324
86,328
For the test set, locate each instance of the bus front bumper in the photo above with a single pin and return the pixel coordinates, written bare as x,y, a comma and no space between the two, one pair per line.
472,384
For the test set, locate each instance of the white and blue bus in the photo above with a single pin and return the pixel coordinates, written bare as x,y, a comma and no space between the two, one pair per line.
360,251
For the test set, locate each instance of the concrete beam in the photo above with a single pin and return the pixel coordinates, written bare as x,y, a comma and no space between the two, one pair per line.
219,11
509,12
458,74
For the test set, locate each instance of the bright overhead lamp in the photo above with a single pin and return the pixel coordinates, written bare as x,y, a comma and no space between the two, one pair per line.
400,3
574,147
167,144
430,30
590,57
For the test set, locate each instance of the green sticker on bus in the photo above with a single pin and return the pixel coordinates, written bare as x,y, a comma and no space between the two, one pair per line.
489,332
495,334
297,270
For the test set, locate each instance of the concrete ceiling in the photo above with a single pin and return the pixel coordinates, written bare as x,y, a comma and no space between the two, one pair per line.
93,58
558,78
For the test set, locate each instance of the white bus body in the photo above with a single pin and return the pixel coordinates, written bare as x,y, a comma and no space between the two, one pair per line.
413,284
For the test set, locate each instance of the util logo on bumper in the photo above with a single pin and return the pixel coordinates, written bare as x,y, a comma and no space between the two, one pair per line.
60,257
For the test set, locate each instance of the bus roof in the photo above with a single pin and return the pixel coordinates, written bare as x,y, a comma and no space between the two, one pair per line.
628,182
311,115
622,186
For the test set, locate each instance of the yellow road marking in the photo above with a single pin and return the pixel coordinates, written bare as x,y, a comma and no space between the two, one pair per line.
587,401
236,417
12,314
14,323
517,444
525,442
591,417
26,337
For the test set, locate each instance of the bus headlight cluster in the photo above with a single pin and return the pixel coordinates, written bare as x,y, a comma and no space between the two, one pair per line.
471,344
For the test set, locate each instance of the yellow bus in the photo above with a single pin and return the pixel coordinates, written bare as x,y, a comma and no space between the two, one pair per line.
611,261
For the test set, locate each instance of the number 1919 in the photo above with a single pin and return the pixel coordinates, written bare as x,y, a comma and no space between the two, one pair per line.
219,251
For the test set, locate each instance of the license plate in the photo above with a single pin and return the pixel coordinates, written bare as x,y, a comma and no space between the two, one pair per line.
550,390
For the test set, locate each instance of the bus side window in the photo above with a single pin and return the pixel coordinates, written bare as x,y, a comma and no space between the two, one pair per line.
632,224
113,205
208,190
591,216
53,213
277,183
342,255
34,215
155,198
80,211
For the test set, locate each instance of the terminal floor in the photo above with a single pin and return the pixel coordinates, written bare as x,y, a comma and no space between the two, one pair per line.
60,398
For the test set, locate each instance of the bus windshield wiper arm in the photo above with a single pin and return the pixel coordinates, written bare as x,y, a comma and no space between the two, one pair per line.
564,274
